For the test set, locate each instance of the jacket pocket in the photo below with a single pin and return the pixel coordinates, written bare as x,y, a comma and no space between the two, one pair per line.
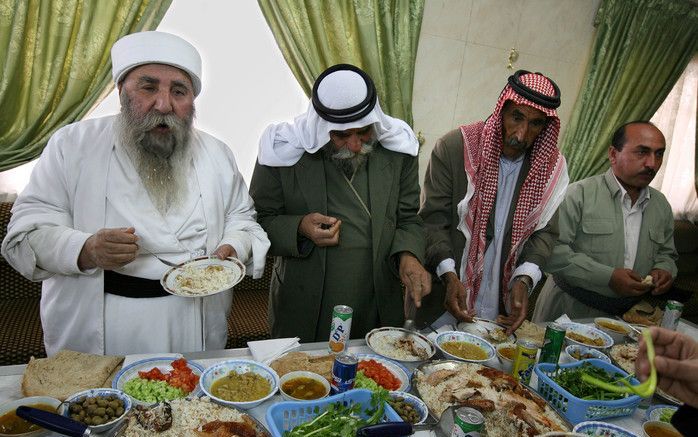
597,236
657,239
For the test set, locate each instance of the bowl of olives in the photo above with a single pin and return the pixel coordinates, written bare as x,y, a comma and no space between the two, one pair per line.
409,407
99,408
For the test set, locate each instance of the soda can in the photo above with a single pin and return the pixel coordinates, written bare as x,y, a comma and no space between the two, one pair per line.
340,328
344,372
524,360
672,314
467,422
552,344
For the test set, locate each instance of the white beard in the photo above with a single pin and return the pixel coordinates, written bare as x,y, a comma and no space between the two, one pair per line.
347,161
164,163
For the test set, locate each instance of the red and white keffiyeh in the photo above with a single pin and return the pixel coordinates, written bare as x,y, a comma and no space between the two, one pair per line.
482,150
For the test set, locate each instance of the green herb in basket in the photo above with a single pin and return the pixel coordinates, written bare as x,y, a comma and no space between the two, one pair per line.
646,389
342,421
573,380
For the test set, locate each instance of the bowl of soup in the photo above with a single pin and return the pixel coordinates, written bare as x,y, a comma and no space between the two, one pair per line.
463,346
657,428
617,329
239,383
302,385
11,425
505,354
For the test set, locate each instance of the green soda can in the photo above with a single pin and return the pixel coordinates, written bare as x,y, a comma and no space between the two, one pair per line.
524,360
672,314
552,344
467,422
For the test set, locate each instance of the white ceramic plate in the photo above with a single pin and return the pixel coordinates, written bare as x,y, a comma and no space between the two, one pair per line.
655,411
234,266
164,364
482,328
587,331
381,340
397,369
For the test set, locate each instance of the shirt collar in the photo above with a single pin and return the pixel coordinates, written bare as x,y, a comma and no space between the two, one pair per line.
642,199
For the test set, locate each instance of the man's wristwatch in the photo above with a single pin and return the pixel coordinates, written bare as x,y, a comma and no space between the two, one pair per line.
527,281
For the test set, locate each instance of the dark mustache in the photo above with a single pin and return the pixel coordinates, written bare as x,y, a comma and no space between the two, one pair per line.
649,172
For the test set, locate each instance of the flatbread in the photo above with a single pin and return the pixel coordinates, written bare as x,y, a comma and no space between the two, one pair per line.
292,361
644,313
531,331
67,373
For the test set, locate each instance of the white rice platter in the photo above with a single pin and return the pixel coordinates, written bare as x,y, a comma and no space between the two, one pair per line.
400,344
491,331
204,276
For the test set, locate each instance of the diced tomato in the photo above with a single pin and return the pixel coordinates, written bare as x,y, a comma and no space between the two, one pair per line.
379,373
181,376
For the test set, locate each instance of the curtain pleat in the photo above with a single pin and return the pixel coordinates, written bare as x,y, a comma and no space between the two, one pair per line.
641,49
378,36
56,64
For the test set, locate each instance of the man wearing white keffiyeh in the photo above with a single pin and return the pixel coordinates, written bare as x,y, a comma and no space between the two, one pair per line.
491,191
337,191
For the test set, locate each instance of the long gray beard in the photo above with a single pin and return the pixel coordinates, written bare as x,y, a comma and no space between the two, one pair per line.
347,161
163,162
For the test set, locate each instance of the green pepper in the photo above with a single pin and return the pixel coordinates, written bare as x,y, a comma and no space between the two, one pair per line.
645,390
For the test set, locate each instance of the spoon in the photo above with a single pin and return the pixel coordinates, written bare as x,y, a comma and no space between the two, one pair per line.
164,261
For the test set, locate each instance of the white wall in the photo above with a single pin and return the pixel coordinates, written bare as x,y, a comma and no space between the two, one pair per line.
464,52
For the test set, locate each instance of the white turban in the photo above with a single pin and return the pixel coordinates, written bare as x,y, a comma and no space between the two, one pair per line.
155,48
341,87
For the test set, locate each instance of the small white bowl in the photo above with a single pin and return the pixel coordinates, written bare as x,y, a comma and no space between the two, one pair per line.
398,370
602,429
468,338
507,364
415,402
666,429
618,336
576,349
222,369
77,397
302,374
587,331
29,402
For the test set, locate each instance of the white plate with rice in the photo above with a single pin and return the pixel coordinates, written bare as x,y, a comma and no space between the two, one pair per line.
400,344
203,276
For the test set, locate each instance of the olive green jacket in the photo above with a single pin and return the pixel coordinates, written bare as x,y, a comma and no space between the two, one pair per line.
592,240
283,195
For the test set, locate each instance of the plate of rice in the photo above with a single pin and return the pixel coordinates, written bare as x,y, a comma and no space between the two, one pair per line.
400,344
203,276
191,417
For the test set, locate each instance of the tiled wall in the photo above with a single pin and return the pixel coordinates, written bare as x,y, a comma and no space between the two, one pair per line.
464,52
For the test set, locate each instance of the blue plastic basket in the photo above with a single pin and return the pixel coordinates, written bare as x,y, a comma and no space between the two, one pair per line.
284,416
578,410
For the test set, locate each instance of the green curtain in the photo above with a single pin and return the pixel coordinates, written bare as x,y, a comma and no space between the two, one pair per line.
640,51
378,36
55,57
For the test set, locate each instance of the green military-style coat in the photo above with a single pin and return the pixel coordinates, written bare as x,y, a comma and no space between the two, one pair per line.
284,195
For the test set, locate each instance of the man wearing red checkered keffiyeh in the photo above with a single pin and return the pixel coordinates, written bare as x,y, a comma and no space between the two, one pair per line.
490,196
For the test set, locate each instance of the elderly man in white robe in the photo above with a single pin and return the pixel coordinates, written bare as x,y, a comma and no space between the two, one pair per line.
110,193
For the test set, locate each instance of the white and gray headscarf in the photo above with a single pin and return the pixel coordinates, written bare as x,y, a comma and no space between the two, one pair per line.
344,97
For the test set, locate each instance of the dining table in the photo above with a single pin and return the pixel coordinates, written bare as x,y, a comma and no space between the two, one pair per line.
11,376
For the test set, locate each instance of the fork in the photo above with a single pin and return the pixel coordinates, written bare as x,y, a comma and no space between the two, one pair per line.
164,261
